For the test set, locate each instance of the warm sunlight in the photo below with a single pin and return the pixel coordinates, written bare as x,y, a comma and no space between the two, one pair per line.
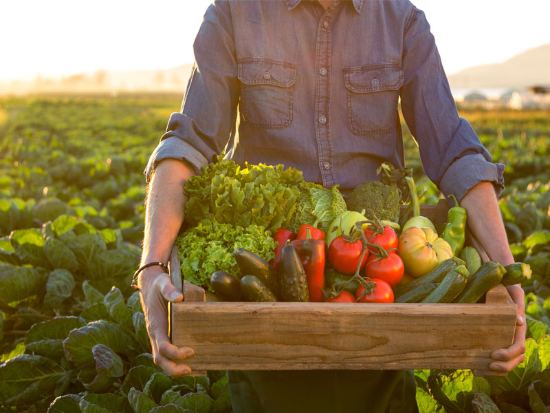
63,37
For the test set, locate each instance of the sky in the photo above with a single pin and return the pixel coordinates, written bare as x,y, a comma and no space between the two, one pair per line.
61,37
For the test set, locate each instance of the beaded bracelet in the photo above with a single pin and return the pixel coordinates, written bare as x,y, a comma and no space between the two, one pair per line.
162,265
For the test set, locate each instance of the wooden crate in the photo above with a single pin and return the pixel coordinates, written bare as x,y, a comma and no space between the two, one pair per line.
308,336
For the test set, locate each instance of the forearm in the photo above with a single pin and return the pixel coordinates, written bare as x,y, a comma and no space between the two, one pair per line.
485,222
164,210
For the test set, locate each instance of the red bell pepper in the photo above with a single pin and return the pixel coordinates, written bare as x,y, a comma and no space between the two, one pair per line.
312,254
281,236
314,233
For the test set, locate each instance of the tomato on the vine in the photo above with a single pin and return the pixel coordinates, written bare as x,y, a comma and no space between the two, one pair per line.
387,239
389,269
380,293
343,297
344,254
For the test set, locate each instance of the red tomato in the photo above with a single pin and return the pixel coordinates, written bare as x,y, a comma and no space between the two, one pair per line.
381,293
389,269
344,255
387,239
343,297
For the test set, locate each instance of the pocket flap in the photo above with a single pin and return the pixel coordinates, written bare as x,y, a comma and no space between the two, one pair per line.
368,79
266,72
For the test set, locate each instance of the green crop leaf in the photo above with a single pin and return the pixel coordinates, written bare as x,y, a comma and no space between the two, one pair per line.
454,390
18,283
168,408
482,403
29,246
518,379
137,377
140,330
134,302
539,396
78,345
63,224
108,367
157,384
28,378
91,294
536,241
46,338
426,403
59,287
86,248
110,266
220,393
7,252
59,255
140,402
68,403
196,402
103,403
117,308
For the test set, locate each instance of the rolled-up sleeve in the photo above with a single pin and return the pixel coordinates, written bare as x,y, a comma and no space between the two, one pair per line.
207,119
452,155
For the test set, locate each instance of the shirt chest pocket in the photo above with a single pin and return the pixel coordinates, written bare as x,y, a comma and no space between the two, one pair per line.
267,90
372,97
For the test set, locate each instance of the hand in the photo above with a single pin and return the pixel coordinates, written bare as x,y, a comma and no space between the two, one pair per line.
505,359
156,290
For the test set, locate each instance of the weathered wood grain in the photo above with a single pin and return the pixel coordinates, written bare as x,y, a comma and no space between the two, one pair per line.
296,336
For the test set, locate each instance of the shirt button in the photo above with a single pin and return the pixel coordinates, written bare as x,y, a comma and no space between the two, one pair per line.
325,24
323,71
322,119
326,165
267,75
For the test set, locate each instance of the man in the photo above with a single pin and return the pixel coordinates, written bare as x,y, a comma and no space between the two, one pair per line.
317,85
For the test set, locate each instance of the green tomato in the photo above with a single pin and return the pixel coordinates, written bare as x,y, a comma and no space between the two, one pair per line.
344,224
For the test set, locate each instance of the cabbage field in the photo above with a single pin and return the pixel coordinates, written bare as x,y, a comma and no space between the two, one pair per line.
72,333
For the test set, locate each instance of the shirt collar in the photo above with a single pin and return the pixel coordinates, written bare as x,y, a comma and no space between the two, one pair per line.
357,4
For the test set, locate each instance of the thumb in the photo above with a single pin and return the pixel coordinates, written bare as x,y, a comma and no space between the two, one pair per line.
168,290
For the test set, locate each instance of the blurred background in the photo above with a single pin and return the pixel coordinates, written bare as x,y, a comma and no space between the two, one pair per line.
496,53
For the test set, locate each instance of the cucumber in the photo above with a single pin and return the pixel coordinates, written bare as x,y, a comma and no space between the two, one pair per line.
488,276
292,276
451,286
253,289
226,286
517,273
417,294
472,259
434,276
252,264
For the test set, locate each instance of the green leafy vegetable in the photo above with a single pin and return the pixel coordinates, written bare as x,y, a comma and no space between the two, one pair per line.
256,194
209,247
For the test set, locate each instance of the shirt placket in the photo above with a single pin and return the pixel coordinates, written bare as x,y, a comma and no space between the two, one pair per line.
322,96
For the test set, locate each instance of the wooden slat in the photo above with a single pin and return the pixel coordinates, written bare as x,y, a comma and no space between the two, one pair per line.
298,336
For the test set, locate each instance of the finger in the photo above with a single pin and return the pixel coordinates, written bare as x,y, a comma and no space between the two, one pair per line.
168,290
506,366
172,368
516,349
174,352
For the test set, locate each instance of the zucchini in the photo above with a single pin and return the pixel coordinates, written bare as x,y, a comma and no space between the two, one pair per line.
517,273
292,276
226,286
434,276
253,289
472,259
488,276
451,286
252,264
417,294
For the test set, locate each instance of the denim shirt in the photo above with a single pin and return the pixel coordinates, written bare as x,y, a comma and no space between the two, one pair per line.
319,90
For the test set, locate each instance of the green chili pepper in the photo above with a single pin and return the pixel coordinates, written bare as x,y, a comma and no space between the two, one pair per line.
455,229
